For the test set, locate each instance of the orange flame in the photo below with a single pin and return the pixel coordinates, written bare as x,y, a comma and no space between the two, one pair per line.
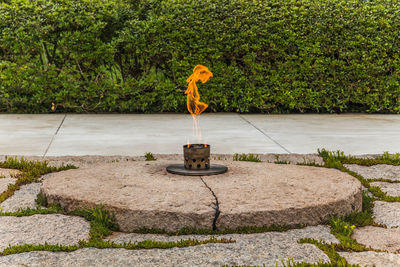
194,106
193,103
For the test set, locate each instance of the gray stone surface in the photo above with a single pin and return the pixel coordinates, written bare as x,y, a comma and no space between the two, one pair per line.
378,238
376,171
5,182
391,189
372,258
257,194
135,134
84,161
254,249
38,229
27,134
142,194
22,199
387,213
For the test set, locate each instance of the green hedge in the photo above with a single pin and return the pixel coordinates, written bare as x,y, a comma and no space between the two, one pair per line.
135,56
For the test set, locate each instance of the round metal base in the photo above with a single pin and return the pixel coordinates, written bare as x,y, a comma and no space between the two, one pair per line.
181,170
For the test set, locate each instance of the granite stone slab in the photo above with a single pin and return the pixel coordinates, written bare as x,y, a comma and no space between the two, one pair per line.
38,229
376,171
253,249
144,195
372,258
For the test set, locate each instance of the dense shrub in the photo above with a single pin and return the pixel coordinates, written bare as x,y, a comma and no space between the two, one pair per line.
135,56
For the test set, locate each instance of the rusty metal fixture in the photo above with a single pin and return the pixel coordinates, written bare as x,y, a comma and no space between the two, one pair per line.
196,162
196,156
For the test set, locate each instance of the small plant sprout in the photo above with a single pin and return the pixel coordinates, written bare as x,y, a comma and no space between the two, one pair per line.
244,157
149,156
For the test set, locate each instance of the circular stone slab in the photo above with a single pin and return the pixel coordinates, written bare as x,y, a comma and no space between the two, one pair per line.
145,195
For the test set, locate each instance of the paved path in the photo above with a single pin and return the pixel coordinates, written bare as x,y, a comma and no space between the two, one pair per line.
248,249
135,134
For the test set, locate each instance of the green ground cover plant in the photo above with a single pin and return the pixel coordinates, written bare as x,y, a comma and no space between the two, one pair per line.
134,56
149,156
342,229
31,171
246,157
336,159
101,225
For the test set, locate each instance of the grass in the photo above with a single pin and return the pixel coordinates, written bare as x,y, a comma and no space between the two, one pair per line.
292,263
147,244
244,157
101,222
31,171
41,200
149,156
342,228
278,161
101,225
29,212
384,180
365,217
336,159
385,158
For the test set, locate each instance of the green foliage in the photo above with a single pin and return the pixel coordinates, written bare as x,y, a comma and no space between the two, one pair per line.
278,161
391,159
244,157
149,156
134,56
329,250
41,200
101,222
337,159
364,217
28,248
343,231
101,244
292,263
29,212
340,263
31,171
341,227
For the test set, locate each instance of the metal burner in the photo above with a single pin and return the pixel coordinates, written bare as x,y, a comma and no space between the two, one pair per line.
196,162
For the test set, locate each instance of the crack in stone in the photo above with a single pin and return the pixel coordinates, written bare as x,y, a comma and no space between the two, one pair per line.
216,208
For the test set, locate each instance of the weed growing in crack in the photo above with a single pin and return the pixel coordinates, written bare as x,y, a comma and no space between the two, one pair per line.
149,156
244,157
41,200
102,224
342,230
364,217
385,158
329,250
101,244
277,161
337,159
51,209
290,262
31,171
377,192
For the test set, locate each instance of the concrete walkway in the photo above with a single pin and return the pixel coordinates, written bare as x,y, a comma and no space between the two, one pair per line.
228,133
